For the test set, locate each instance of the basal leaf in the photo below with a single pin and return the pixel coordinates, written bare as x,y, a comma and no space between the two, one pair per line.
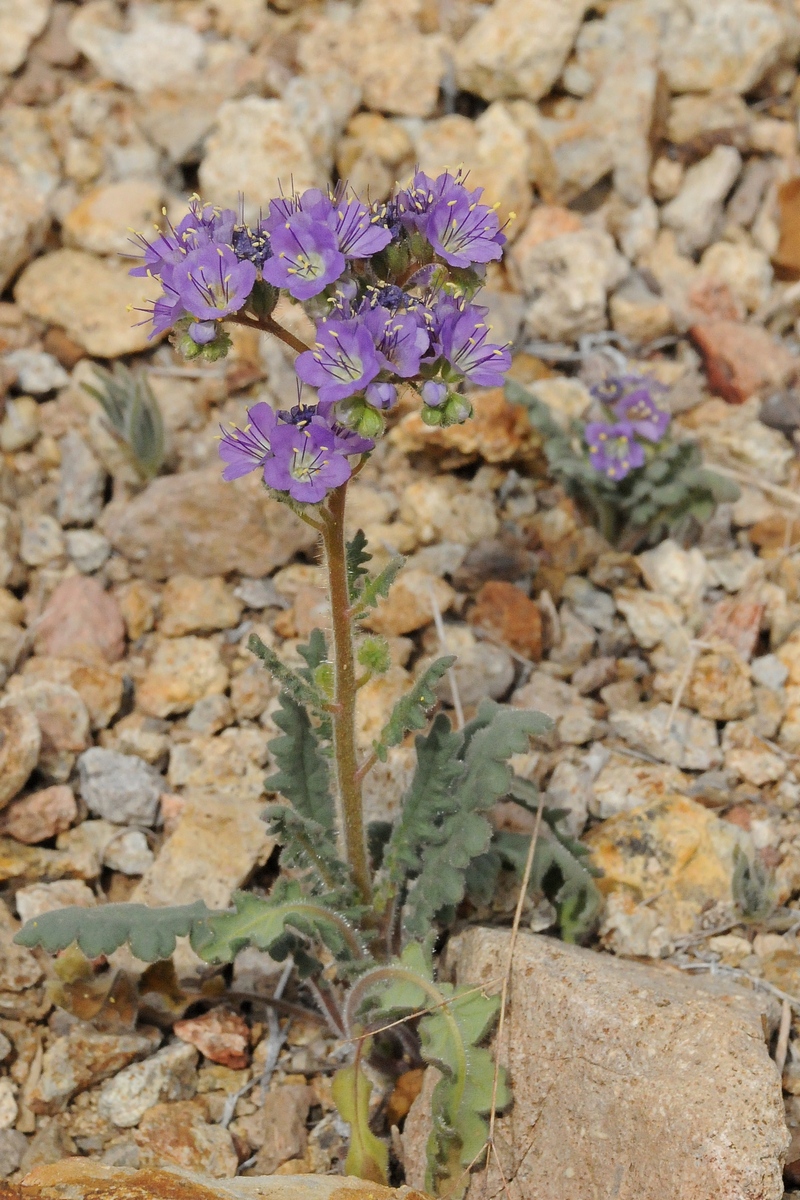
150,932
367,1156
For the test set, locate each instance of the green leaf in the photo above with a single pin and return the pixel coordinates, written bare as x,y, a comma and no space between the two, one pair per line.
410,711
133,415
315,654
367,1156
464,834
150,932
309,847
559,875
291,681
752,889
427,800
264,923
357,556
378,586
453,1022
302,776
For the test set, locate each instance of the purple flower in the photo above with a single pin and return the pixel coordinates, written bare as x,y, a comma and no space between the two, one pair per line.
360,236
399,338
305,256
343,361
245,450
305,462
157,255
462,231
434,393
612,449
203,332
212,282
381,395
465,345
252,244
646,418
166,311
413,204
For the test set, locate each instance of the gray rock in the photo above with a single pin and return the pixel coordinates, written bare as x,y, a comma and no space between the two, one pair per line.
37,372
570,788
695,210
87,549
691,742
589,1037
769,671
13,1145
42,540
168,1075
5,1047
567,280
589,603
20,425
80,492
129,853
119,787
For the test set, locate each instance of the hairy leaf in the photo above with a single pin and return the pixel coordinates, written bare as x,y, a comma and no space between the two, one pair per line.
265,924
367,1155
357,557
291,681
315,652
308,846
378,586
464,834
150,932
133,416
454,1021
559,874
302,775
410,710
751,887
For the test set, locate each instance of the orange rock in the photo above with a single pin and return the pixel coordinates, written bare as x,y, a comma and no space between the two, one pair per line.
39,816
505,610
221,1035
82,622
498,432
741,360
736,621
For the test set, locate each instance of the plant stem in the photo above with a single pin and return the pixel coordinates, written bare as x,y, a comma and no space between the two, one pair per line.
351,821
270,326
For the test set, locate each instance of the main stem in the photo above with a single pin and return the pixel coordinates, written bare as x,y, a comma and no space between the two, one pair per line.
344,708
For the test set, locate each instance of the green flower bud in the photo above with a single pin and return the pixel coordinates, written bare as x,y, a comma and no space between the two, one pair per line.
263,299
456,410
323,678
431,416
373,653
356,414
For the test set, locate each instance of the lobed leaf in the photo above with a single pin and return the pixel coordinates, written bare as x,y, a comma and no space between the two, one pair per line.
410,711
303,774
377,586
301,691
357,556
150,932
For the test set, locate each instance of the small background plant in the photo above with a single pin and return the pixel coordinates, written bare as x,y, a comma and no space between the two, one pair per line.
622,465
133,417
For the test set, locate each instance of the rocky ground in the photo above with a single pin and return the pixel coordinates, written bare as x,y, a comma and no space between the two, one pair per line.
648,150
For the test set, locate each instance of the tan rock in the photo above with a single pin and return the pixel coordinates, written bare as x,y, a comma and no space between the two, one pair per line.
81,622
18,967
99,688
191,605
513,618
750,756
567,280
623,783
40,815
23,220
87,1178
603,1033
652,617
683,739
638,314
103,220
231,763
199,524
183,671
21,21
63,720
720,686
694,211
497,432
88,297
179,1134
20,742
39,898
517,48
745,269
730,44
410,603
285,1114
78,1060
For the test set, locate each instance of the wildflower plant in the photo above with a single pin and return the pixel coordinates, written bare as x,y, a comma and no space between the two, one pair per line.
639,482
390,289
133,417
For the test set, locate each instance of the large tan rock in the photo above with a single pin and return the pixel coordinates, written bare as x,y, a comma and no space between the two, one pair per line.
23,221
91,298
629,1081
82,1178
198,524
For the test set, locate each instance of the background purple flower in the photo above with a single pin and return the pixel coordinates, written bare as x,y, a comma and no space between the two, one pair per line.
343,361
305,256
466,346
612,449
640,410
305,462
244,450
212,282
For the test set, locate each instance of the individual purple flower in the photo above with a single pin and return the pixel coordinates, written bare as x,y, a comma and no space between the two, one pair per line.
644,415
413,204
246,450
433,393
381,395
399,337
465,345
205,224
157,255
463,231
612,449
203,332
305,256
360,234
212,282
344,359
305,462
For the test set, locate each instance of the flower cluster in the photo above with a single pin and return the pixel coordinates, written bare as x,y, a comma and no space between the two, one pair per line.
389,288
630,404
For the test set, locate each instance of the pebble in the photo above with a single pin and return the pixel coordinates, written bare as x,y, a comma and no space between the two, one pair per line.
191,605
146,737
101,222
179,1134
143,56
567,280
195,523
511,616
588,603
82,483
680,574
42,541
728,45
252,690
64,723
129,853
437,510
769,671
87,550
169,1074
19,969
8,1103
624,783
410,603
497,432
23,221
80,1059
719,687
37,372
211,714
690,743
652,618
20,743
88,297
750,757
40,815
41,898
99,688
576,643
182,671
570,788
481,669
81,621
13,1145
119,787
254,145
221,1035
741,360
21,21
20,425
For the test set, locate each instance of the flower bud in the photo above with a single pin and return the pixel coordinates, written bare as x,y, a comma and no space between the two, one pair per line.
433,393
456,410
431,416
263,299
373,653
382,395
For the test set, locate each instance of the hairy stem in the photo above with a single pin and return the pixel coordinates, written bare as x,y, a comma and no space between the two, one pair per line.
351,821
